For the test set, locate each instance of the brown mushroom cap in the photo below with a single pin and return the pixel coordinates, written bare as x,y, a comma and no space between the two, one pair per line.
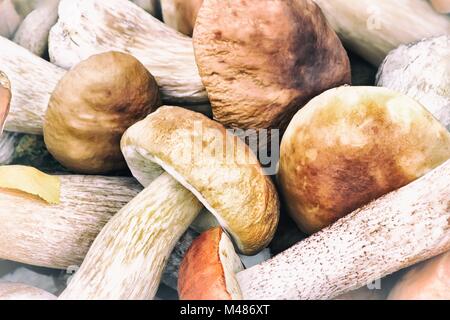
216,166
261,61
91,107
351,145
208,269
181,14
427,280
5,99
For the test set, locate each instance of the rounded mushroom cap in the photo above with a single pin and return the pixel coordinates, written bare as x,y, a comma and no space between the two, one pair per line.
429,280
351,145
261,61
91,107
181,14
213,164
20,291
5,99
208,269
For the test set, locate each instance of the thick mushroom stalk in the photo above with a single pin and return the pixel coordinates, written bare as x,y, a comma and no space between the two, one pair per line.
20,291
33,80
87,27
373,28
395,231
5,99
127,258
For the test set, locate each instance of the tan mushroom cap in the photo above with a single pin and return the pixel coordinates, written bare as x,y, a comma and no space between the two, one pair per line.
429,280
216,166
351,145
5,99
261,61
20,291
91,107
208,269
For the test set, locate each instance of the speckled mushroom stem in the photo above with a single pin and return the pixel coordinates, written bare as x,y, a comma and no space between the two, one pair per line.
373,28
32,82
395,231
87,27
138,239
59,236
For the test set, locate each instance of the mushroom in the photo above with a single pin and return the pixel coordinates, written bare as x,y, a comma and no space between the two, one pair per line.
374,28
12,13
421,70
181,14
441,6
92,106
186,160
87,27
5,99
59,236
351,145
261,61
395,231
208,270
33,80
32,33
429,280
20,291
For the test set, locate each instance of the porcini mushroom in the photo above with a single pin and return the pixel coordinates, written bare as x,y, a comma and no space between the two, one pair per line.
261,61
429,280
421,70
181,14
12,13
20,291
59,236
87,27
33,80
5,99
374,28
32,33
351,145
395,231
186,160
92,106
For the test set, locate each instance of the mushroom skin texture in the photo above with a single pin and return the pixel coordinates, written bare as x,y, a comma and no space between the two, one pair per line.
87,27
351,145
127,258
32,33
373,28
5,99
441,6
429,280
181,14
20,291
92,106
421,70
30,94
262,61
208,269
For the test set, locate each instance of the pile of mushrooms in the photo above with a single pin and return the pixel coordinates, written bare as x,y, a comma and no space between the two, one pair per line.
162,114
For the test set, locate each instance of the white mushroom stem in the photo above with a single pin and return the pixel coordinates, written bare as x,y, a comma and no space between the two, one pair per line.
59,236
19,291
7,144
373,28
87,27
32,82
137,240
34,29
395,231
9,18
